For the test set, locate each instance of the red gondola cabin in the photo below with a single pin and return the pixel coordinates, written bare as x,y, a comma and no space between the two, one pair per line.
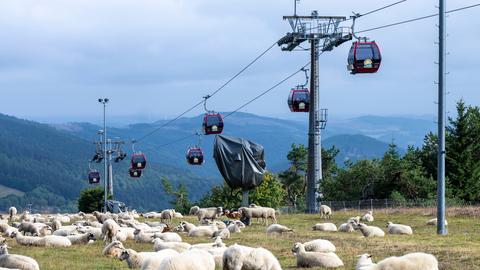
364,57
93,177
212,123
299,100
195,156
139,161
135,173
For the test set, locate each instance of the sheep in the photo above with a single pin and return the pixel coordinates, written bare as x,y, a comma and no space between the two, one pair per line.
55,241
28,227
411,261
313,259
354,220
346,227
187,226
209,213
177,215
159,244
193,210
217,253
433,221
368,217
203,231
135,259
104,217
153,263
370,231
109,230
319,245
125,234
13,261
247,213
25,240
167,214
142,237
233,228
326,227
194,259
398,228
12,213
325,211
168,237
218,243
224,233
81,239
25,216
232,215
277,228
246,258
114,249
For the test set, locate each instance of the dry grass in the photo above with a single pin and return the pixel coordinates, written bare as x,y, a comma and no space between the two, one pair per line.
459,250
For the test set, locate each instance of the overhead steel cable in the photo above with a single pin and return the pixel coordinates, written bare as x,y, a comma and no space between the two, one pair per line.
415,19
210,95
379,9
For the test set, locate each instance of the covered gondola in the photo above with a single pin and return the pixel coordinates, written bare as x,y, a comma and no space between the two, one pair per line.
299,100
212,123
364,57
135,173
93,177
138,161
195,156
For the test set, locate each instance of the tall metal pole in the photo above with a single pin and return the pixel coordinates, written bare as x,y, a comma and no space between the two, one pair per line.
314,154
110,170
441,123
105,172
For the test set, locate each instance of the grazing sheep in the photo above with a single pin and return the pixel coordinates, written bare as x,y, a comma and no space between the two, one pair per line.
433,221
326,227
277,228
319,245
233,214
13,261
114,249
159,244
193,210
194,259
325,211
247,213
398,228
12,213
224,233
368,217
153,263
370,231
246,258
29,228
109,230
314,259
135,259
167,215
81,239
209,213
411,261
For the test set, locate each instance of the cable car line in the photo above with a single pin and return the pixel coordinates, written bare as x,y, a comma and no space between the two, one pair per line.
415,19
210,95
378,9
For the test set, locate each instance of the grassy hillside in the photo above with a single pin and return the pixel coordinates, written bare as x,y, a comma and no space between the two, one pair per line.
458,250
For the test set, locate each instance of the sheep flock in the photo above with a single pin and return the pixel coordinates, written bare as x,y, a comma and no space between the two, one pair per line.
198,240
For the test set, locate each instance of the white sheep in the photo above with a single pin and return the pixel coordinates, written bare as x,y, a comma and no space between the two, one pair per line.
209,213
203,231
217,253
168,237
411,261
277,228
28,228
325,211
398,228
234,228
206,246
13,261
224,233
264,213
370,231
246,258
433,221
314,259
326,227
55,241
320,245
135,259
109,230
12,213
354,220
159,244
114,249
81,239
194,259
153,263
368,217
193,210
167,214
141,236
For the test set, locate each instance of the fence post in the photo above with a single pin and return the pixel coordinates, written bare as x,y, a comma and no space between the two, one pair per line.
344,207
371,205
386,206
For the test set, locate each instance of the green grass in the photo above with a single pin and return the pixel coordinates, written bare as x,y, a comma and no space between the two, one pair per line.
460,249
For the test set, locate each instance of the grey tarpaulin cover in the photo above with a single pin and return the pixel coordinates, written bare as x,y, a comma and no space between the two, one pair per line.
241,162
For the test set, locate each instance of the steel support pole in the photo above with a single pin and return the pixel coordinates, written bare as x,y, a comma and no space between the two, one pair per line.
110,175
441,230
105,175
313,132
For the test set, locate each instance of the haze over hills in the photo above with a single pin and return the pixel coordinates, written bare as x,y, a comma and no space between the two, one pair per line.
46,164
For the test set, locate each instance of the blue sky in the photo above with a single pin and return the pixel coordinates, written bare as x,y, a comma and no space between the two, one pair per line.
156,58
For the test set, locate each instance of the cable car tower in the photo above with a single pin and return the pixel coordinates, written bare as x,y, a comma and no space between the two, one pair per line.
324,34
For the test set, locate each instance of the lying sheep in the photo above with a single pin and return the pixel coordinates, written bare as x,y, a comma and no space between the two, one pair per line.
177,215
168,237
314,259
124,234
326,227
433,221
114,249
325,211
142,237
232,214
81,239
319,245
246,258
277,228
159,244
13,261
46,241
368,217
206,246
203,231
223,234
194,259
234,228
370,231
354,220
398,228
109,230
135,259
209,213
411,261
153,263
